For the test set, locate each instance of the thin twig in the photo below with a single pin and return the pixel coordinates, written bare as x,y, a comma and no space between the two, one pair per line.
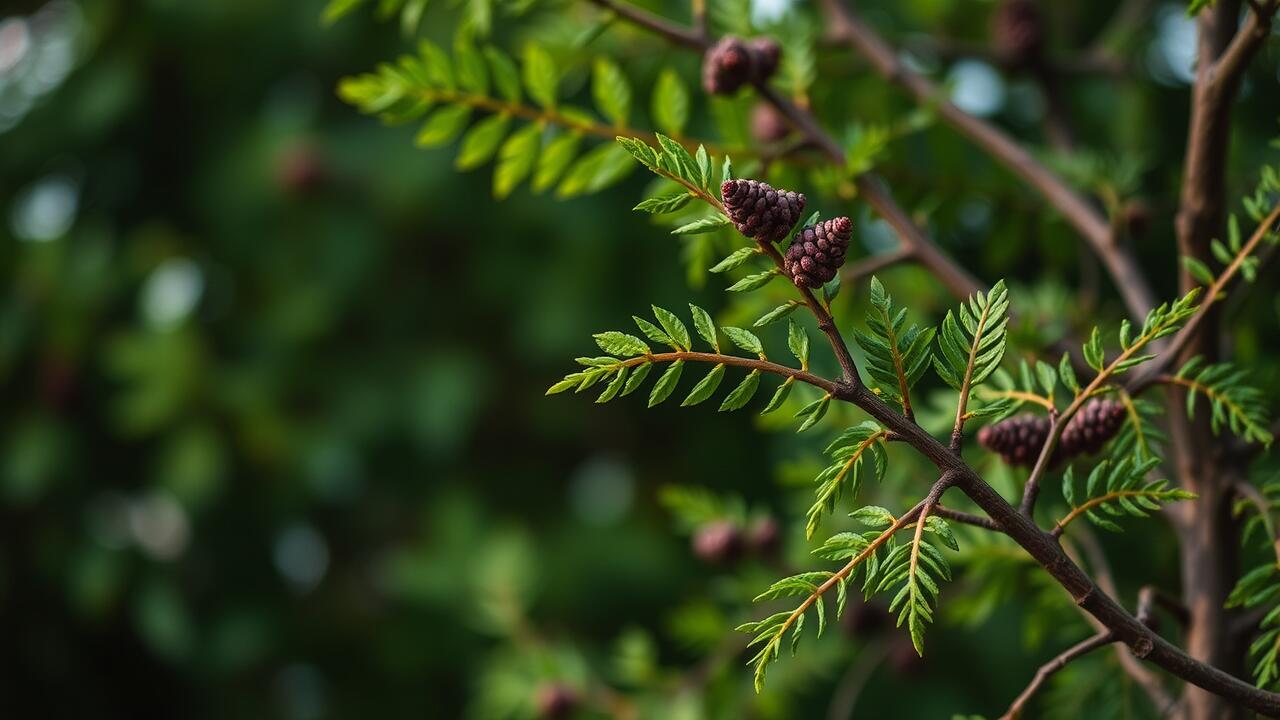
1078,650
1086,218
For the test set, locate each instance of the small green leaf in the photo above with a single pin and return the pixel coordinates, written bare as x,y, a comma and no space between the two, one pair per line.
555,159
621,344
540,75
742,394
506,77
776,314
779,396
670,103
516,159
1198,270
798,342
612,92
673,326
705,326
637,378
653,332
744,339
735,259
666,383
482,141
443,126
705,387
753,282
813,412
702,225
664,204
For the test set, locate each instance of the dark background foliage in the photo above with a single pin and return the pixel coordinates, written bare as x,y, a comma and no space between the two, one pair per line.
274,441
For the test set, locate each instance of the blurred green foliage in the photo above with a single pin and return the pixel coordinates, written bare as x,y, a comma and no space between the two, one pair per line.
275,442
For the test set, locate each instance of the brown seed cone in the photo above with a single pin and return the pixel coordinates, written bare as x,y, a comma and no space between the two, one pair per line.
718,542
759,211
1017,440
733,62
767,124
764,536
817,252
1096,423
555,701
1017,31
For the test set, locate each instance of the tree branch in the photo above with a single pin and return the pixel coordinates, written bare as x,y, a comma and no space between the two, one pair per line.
736,361
1078,650
1151,371
1088,220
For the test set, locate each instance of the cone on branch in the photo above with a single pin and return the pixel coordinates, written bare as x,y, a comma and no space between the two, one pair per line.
718,542
1096,423
767,124
764,536
556,701
760,212
1020,439
817,252
1017,31
733,62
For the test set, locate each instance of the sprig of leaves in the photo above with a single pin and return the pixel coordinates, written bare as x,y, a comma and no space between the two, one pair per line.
1117,488
972,342
548,151
1239,407
1260,587
849,454
1160,322
918,569
896,354
630,360
858,549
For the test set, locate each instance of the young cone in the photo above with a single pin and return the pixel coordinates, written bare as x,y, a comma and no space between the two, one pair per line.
1017,440
817,252
733,62
759,211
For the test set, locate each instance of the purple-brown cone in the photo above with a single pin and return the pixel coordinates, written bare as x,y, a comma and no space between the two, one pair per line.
759,211
733,62
817,252
1017,31
1019,440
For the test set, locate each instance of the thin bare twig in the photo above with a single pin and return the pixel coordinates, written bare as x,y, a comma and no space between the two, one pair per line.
1080,649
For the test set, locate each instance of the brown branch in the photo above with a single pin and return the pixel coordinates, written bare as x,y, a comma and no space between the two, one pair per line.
735,361
1150,683
1080,649
673,33
1182,340
964,518
1087,219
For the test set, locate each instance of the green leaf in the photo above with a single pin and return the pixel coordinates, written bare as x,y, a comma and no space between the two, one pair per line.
735,259
742,394
666,383
472,72
555,159
621,344
516,159
482,141
611,391
705,387
779,396
753,282
599,168
1068,374
337,9
702,225
972,340
540,75
798,342
443,126
653,332
638,375
664,204
1198,270
670,103
744,339
705,327
813,412
612,92
777,313
896,354
506,76
673,326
